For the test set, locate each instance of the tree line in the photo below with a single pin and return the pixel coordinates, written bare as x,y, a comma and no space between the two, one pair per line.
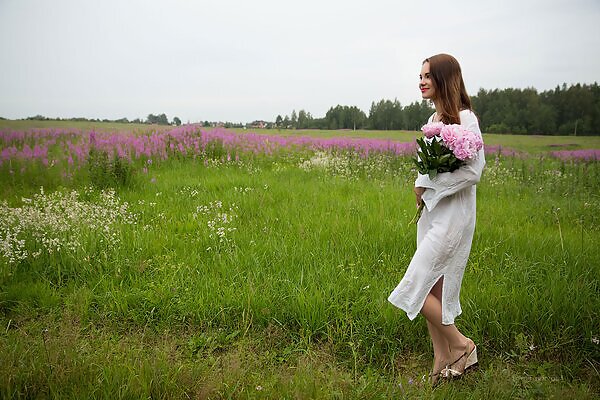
565,110
383,115
159,119
572,110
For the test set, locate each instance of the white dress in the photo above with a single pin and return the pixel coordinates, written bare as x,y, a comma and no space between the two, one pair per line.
444,235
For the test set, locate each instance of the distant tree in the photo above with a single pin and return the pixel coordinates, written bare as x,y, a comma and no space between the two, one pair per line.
157,119
567,110
294,119
176,121
319,123
38,118
564,110
386,115
415,115
345,117
355,118
303,119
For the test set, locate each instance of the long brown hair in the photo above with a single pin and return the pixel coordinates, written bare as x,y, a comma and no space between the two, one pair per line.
450,93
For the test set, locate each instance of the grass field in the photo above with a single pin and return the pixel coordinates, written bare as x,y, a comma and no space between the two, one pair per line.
245,269
83,125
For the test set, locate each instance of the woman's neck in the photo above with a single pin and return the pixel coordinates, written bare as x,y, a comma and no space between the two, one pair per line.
438,111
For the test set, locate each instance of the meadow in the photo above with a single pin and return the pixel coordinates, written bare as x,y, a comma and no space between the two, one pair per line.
190,263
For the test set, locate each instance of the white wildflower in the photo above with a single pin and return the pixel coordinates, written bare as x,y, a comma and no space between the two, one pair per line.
59,222
218,222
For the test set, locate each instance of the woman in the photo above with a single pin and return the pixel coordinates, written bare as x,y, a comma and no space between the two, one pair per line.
431,284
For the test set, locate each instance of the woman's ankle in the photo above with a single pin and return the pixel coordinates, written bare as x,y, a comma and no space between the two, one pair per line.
462,347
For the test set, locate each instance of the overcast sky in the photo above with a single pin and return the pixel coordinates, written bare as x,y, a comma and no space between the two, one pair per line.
245,60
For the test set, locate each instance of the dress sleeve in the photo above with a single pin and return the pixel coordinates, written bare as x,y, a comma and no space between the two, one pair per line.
447,183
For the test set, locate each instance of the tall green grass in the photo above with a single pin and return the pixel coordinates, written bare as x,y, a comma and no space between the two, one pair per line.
300,283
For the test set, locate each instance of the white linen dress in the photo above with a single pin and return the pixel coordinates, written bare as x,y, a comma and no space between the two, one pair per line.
444,235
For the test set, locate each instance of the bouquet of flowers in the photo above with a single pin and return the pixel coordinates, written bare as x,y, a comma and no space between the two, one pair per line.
445,148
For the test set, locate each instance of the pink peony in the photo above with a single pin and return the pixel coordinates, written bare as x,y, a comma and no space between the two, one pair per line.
432,129
454,146
462,148
464,144
449,134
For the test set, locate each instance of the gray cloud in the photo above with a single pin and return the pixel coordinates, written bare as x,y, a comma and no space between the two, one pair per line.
239,60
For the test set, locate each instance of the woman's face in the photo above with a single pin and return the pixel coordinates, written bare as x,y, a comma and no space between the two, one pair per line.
426,83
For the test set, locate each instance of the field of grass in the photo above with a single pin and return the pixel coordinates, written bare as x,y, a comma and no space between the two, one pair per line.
8,124
264,274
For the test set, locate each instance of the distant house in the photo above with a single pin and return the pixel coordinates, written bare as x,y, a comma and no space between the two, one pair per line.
258,124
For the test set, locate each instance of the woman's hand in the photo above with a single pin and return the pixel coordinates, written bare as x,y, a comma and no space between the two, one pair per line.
419,193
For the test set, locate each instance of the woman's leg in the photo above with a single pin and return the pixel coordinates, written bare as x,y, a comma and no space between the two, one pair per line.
441,348
458,344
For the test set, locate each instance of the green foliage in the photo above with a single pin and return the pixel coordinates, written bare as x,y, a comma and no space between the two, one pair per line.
386,115
157,119
304,119
106,171
573,110
345,117
215,150
203,343
433,158
294,306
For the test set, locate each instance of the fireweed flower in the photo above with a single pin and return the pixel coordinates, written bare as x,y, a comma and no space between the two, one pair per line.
187,141
585,155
